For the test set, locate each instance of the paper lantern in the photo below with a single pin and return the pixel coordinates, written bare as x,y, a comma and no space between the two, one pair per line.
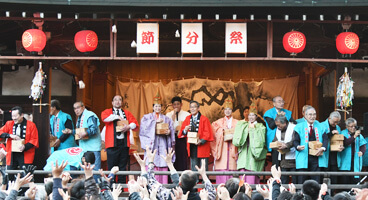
86,41
34,40
294,42
347,43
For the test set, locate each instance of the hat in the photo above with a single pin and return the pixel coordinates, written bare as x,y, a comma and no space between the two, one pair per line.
253,108
157,98
228,103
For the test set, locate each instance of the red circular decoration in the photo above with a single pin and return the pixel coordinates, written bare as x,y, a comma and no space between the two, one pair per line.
74,151
86,41
294,42
347,43
34,40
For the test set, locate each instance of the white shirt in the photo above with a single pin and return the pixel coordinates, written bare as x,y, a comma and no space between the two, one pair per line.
181,116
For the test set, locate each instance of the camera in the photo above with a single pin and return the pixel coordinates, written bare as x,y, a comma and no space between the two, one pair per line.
359,128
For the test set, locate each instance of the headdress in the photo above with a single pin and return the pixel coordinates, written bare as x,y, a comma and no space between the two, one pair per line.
228,103
157,98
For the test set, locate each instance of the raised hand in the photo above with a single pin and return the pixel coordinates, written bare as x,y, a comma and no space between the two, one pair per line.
292,188
153,193
150,154
64,194
248,190
65,178
29,169
142,181
263,191
102,174
19,182
222,192
169,155
276,173
116,191
141,162
87,169
57,170
202,170
31,192
203,194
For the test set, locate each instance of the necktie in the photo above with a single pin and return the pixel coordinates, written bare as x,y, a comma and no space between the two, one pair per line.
78,122
17,131
193,127
310,131
117,112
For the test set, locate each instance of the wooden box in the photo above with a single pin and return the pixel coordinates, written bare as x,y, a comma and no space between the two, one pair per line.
335,147
275,145
120,124
192,135
161,128
337,137
192,140
314,152
228,137
336,144
52,140
314,145
16,144
81,130
179,126
228,134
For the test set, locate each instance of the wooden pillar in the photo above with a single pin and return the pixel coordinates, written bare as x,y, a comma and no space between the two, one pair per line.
42,120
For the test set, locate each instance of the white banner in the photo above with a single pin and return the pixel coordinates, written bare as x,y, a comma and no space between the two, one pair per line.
191,38
236,38
147,38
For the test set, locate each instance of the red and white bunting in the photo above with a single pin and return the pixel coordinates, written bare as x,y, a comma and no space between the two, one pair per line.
147,38
236,38
191,38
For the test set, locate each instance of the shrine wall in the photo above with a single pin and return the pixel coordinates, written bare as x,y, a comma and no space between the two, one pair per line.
165,71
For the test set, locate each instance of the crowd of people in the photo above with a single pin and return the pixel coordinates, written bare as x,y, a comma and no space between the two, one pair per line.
170,141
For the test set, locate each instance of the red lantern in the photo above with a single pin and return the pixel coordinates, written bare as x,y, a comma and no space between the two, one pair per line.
86,41
294,42
347,43
34,40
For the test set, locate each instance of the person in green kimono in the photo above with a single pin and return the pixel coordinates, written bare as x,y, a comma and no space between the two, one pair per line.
250,138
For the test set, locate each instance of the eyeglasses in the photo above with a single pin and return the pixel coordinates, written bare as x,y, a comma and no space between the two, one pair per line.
312,114
77,107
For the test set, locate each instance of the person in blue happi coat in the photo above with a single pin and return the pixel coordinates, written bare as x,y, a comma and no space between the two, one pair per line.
61,126
332,128
269,117
351,158
310,130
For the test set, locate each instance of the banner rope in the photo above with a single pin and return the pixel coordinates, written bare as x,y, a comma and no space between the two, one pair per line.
130,79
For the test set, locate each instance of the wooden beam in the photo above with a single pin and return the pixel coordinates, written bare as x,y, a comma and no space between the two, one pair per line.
332,60
73,68
320,72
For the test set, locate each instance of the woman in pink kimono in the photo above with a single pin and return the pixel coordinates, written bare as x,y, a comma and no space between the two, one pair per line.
223,151
162,142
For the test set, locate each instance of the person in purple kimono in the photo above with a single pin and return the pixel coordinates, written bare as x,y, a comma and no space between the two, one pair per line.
155,139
